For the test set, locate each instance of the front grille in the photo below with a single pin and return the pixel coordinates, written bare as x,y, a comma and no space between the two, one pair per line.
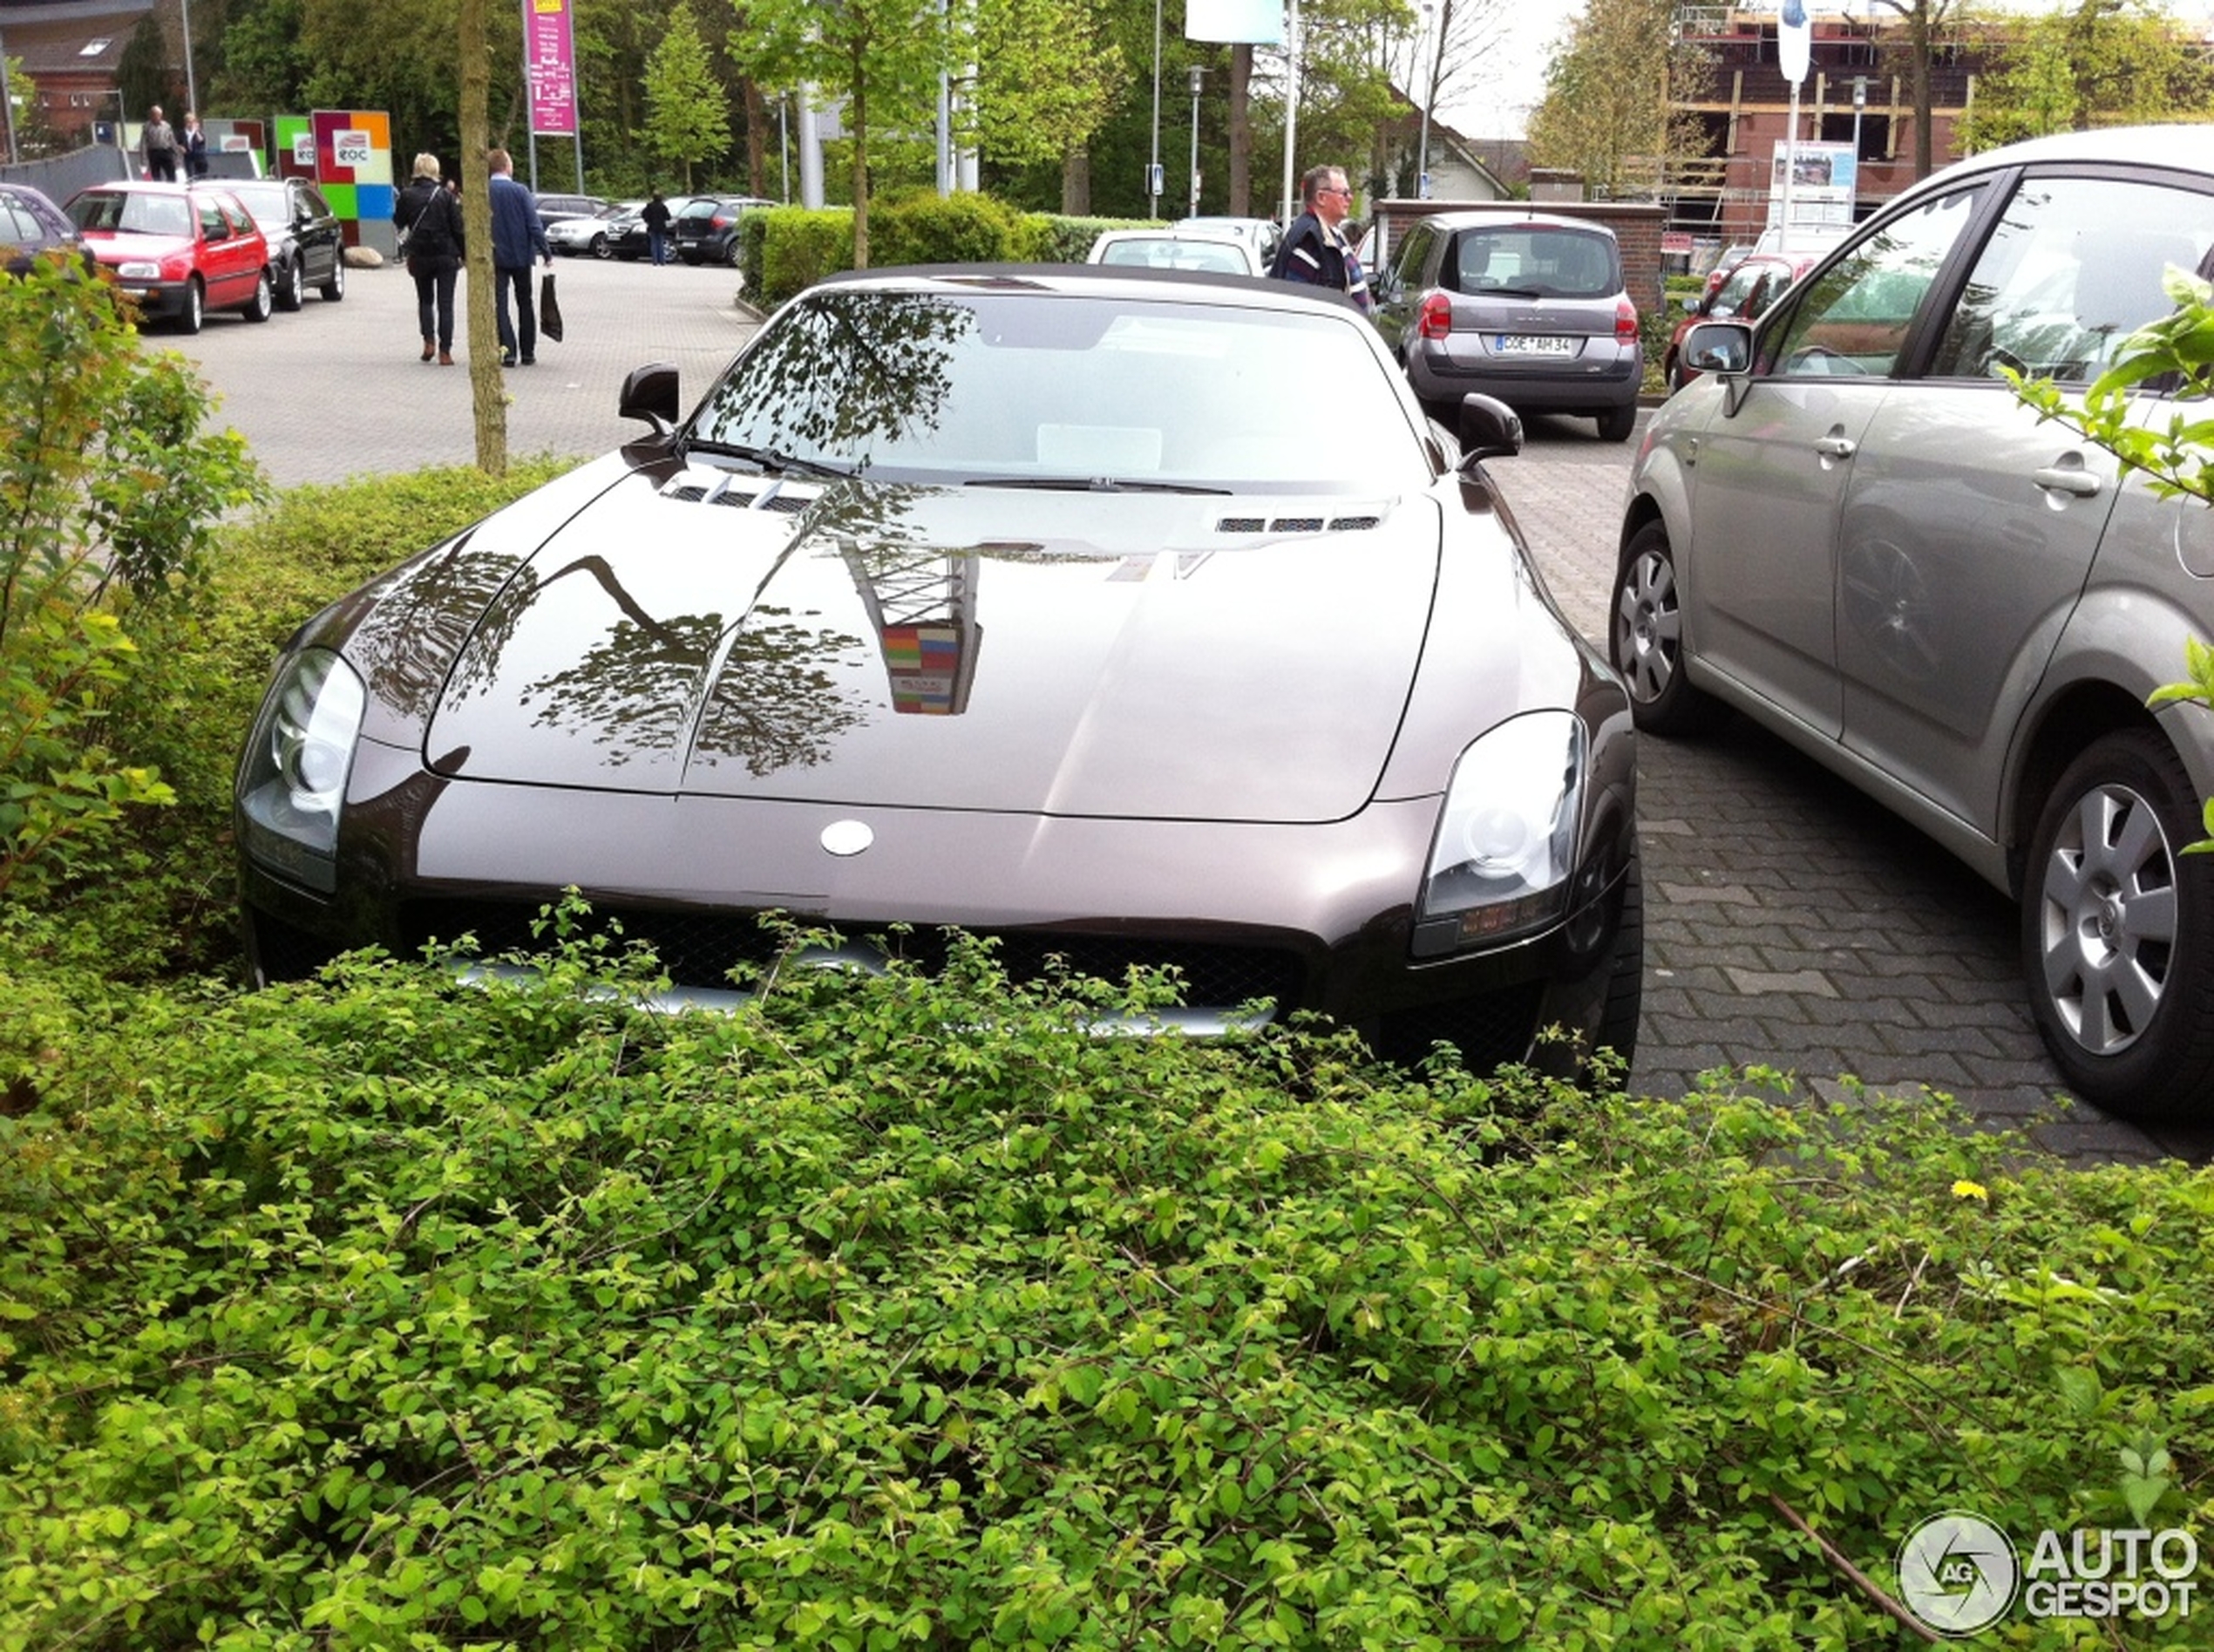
699,948
1488,1030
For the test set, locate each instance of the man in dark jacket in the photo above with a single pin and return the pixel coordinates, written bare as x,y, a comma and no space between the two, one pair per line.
517,232
655,218
1314,250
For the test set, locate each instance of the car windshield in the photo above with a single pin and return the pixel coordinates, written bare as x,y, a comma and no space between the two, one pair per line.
1544,263
264,201
1042,388
114,209
1165,252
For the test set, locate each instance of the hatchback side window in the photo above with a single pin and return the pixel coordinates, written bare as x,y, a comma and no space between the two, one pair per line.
213,225
2073,268
1854,319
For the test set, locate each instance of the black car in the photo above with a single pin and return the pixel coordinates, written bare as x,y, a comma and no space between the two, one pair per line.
30,224
1016,602
627,236
307,245
706,232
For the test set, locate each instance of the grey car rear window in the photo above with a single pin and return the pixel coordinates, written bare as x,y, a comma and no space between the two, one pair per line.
1550,264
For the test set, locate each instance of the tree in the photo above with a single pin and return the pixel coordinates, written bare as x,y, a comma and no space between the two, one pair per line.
487,395
1046,75
688,116
1609,91
2107,62
882,57
1926,24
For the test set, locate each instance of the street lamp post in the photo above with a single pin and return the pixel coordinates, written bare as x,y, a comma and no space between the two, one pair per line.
1153,166
1199,79
1859,108
192,92
1422,146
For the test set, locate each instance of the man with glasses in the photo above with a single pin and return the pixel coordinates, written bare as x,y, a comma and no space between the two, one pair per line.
1314,250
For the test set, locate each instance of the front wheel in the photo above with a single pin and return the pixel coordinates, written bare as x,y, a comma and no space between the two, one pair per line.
2118,932
292,290
599,247
1626,982
195,310
1645,638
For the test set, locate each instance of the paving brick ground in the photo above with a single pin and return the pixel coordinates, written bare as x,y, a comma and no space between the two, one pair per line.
1791,923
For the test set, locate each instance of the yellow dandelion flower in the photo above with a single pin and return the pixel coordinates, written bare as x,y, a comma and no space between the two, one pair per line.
1965,1189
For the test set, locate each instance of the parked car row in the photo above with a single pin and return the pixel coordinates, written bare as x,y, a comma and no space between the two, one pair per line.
181,250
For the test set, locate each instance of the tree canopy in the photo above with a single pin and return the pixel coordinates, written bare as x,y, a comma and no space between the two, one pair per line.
2103,63
1609,92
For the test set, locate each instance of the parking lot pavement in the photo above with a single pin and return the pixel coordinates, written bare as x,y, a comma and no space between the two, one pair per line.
340,390
1791,923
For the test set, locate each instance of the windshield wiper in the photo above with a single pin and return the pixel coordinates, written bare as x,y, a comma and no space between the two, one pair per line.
777,464
1090,485
1509,292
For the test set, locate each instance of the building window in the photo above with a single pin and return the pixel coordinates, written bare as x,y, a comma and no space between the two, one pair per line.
1875,130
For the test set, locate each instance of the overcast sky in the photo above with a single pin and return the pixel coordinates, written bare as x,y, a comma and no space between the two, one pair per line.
1502,108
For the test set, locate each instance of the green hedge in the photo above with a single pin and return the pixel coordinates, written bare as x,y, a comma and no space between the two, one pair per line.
385,1313
783,249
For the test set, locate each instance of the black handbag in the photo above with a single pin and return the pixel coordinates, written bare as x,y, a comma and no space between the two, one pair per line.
549,309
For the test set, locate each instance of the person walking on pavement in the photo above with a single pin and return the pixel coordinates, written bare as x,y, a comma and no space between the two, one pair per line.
430,218
194,144
158,139
517,232
655,218
1314,250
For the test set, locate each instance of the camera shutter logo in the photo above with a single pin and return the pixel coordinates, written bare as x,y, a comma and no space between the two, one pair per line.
1958,1573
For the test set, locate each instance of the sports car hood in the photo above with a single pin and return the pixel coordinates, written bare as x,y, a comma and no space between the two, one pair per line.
1078,653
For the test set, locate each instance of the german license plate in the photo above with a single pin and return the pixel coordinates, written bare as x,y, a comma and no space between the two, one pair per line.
1531,344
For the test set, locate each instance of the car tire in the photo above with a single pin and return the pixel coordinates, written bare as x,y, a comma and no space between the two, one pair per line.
1616,423
1618,1028
292,291
2118,932
1645,638
263,305
335,288
190,318
599,247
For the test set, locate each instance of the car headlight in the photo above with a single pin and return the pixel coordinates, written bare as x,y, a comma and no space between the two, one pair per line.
292,778
139,270
1505,849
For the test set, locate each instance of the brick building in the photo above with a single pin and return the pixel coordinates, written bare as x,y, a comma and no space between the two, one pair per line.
72,50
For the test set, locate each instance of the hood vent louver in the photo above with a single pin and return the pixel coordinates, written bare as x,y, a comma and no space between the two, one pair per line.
1367,521
739,492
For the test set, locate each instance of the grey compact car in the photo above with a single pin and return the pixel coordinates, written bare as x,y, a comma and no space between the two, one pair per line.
1853,531
1528,307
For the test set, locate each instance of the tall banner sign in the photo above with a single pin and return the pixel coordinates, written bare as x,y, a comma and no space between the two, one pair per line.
549,62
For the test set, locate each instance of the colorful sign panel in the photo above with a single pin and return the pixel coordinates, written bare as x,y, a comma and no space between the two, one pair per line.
923,662
347,153
549,63
1822,179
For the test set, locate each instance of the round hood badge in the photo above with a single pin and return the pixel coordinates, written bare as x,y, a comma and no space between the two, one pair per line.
846,837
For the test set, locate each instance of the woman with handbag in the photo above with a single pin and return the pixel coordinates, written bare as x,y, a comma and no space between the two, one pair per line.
428,220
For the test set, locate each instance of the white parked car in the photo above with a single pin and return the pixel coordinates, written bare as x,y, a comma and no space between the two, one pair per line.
1218,254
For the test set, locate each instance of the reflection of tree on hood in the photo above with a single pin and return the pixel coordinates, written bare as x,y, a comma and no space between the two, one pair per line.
757,689
840,372
422,616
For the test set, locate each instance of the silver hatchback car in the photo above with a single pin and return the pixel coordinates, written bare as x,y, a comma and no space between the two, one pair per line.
1851,531
1528,307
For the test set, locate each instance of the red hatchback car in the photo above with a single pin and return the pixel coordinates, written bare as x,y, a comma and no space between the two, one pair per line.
1749,287
179,252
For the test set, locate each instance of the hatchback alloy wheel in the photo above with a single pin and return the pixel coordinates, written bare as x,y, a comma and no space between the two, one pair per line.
1647,637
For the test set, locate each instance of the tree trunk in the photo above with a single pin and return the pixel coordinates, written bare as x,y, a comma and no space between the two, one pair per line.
1241,131
1075,183
1923,124
858,107
487,395
756,141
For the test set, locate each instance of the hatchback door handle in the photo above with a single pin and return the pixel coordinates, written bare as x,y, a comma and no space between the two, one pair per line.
2069,479
1836,446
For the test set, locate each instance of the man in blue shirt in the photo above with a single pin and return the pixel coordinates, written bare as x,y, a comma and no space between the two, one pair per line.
516,233
1314,250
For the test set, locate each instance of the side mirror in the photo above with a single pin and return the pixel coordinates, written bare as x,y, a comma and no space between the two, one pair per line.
649,393
1490,429
1723,347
